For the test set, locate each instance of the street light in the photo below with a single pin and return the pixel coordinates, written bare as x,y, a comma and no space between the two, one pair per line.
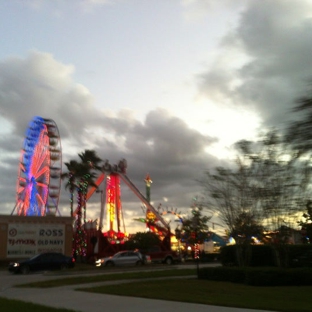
195,212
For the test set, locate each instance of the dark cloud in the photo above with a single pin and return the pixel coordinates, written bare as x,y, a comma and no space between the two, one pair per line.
274,39
166,148
162,145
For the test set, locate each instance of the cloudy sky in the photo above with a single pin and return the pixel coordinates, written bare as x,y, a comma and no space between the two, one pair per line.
169,85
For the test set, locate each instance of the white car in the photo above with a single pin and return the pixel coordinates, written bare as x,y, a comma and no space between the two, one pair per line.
122,258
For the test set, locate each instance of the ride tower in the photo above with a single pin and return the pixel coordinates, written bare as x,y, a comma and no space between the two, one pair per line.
114,209
150,216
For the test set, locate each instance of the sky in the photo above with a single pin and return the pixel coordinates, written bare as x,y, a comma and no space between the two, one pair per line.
169,85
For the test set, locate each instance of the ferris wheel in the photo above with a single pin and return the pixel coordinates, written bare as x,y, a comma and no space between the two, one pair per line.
39,173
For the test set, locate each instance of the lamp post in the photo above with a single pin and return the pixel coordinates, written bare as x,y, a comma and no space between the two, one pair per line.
195,212
196,253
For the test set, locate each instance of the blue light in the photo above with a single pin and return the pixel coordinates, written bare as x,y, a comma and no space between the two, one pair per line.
32,139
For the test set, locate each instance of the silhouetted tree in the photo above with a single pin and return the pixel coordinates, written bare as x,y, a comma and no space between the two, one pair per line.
73,173
246,227
299,131
268,183
142,241
195,227
306,224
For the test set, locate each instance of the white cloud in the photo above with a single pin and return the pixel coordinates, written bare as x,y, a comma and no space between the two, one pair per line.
89,6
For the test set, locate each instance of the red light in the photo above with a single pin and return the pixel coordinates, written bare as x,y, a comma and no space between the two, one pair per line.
120,235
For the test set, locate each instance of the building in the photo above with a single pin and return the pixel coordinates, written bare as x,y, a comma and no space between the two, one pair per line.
23,237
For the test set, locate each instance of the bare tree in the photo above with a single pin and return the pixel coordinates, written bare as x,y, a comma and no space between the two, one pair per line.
267,182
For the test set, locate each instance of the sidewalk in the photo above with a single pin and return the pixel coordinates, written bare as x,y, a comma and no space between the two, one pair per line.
70,298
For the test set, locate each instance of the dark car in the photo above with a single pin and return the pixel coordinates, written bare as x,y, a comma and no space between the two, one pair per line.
42,262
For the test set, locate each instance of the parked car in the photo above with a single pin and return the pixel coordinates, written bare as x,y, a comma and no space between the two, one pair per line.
126,257
163,256
42,262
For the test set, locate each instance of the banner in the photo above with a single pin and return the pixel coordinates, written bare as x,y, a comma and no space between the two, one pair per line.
28,239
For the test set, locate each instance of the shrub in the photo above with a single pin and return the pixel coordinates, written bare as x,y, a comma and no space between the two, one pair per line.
209,257
259,276
225,274
262,255
228,255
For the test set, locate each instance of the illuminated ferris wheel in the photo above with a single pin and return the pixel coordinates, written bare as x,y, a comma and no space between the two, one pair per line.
39,174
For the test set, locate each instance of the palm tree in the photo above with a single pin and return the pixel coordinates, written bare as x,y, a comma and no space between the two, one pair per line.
88,166
73,168
90,163
90,158
80,176
87,178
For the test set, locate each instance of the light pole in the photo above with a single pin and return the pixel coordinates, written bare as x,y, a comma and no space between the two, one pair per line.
195,212
196,253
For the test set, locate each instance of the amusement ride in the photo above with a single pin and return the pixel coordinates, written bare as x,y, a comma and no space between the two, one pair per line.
39,184
39,173
111,177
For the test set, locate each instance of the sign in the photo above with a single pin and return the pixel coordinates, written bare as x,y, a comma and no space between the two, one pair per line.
209,247
28,239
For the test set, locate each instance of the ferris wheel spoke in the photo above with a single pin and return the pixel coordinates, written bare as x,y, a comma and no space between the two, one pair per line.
41,202
42,159
42,186
20,190
43,172
38,163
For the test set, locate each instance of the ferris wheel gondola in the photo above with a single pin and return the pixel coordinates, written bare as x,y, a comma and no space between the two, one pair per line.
39,173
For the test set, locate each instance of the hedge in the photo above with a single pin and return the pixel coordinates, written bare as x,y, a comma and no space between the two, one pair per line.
258,276
261,255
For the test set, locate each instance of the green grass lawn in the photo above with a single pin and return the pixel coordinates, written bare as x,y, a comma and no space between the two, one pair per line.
290,299
110,277
9,305
186,289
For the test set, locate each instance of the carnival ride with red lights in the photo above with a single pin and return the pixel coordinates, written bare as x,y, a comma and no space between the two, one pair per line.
39,174
111,177
39,184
